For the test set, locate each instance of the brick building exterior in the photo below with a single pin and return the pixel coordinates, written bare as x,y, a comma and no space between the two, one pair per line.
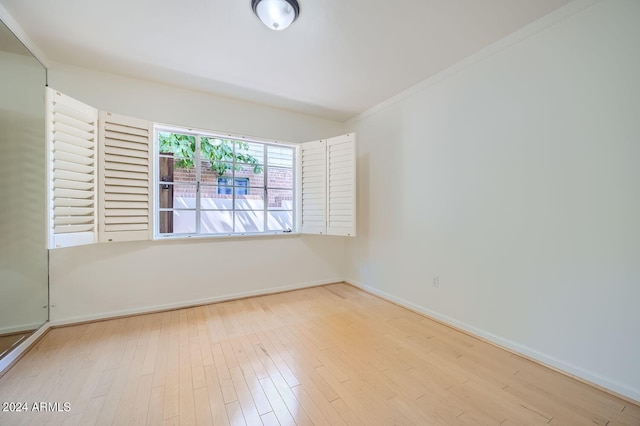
278,179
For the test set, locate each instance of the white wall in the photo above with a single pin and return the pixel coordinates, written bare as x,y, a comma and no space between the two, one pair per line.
514,177
112,279
173,105
104,280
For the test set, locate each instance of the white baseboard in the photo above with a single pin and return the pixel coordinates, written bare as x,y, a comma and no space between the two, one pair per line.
566,367
20,328
547,360
189,303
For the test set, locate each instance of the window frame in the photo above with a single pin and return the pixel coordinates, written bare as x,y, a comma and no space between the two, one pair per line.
198,133
234,185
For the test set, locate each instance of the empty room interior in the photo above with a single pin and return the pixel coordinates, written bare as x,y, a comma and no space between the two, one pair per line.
330,212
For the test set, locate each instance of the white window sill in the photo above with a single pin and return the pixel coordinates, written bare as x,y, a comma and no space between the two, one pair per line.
225,236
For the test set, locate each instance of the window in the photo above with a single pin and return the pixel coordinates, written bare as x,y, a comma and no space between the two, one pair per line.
217,185
241,186
105,185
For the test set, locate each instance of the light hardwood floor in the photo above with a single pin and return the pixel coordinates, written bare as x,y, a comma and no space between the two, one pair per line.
329,355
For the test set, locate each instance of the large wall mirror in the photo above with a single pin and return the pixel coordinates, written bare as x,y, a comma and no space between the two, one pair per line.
24,288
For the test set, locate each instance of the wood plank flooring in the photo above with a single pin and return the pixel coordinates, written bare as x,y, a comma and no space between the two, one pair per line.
331,355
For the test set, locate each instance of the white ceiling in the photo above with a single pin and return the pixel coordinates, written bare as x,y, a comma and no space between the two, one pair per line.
338,59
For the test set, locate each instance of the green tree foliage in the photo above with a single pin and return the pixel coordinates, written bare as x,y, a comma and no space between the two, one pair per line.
219,152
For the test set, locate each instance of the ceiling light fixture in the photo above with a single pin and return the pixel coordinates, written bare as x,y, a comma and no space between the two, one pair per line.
276,14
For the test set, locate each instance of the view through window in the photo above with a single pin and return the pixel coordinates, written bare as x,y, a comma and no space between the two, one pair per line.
214,185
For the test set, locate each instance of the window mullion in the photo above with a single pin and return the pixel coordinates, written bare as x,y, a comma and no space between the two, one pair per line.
233,186
198,178
265,204
294,182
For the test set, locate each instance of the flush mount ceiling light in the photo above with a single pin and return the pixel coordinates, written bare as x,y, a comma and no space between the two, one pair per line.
276,14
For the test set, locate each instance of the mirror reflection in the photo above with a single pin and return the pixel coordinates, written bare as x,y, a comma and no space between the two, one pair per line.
23,255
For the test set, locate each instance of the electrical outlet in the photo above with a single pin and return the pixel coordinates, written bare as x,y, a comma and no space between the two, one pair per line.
436,281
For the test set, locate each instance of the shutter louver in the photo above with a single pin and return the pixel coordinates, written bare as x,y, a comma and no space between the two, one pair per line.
72,149
341,185
313,161
125,178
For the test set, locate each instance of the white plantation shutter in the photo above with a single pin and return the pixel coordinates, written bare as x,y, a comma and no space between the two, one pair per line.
72,129
328,188
341,185
313,161
125,178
